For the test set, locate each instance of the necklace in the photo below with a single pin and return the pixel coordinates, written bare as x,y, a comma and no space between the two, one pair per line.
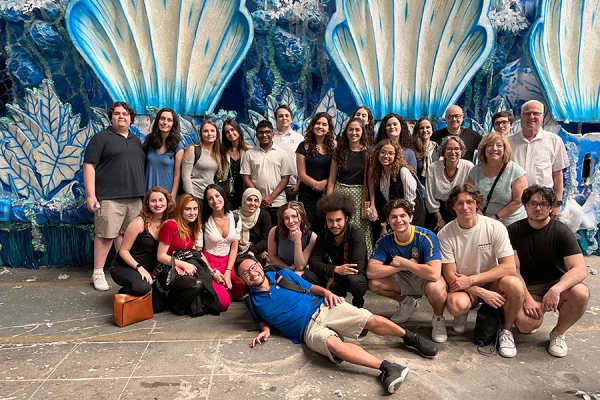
450,178
224,220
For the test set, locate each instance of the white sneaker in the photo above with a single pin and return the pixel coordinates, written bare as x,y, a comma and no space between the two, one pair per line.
506,344
459,325
100,283
405,309
558,346
439,334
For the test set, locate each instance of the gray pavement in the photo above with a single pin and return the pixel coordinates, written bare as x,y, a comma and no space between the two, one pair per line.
57,341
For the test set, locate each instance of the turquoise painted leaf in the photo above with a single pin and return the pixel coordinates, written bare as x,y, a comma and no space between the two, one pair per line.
272,105
28,125
100,115
16,142
83,136
339,122
287,97
55,164
249,135
327,104
255,117
22,177
54,117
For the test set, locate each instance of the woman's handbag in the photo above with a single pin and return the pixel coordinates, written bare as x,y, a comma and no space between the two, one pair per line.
365,204
129,309
228,185
172,274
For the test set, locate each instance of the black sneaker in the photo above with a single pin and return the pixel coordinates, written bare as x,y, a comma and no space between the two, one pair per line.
423,346
392,377
358,303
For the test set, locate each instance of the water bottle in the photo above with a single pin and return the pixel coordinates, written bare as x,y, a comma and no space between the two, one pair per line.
370,213
96,206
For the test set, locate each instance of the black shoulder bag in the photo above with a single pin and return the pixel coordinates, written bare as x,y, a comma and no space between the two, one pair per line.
489,196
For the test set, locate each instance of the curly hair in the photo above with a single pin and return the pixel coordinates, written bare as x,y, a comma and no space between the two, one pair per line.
405,138
146,213
465,188
398,203
187,229
398,163
216,151
546,193
310,140
369,126
297,206
418,146
154,138
227,145
343,145
489,139
457,139
334,202
127,108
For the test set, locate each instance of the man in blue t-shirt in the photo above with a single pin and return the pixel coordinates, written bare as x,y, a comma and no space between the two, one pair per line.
305,312
407,262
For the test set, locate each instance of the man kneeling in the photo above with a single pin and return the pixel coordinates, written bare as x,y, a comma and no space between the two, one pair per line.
478,264
552,267
302,311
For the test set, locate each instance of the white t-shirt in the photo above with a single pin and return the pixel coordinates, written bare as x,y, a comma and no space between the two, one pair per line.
213,242
289,142
474,250
266,169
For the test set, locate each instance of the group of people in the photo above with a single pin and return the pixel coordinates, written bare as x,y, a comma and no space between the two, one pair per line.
404,215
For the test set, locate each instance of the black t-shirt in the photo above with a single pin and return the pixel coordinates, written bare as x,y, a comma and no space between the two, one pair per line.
316,167
354,173
120,164
542,252
469,136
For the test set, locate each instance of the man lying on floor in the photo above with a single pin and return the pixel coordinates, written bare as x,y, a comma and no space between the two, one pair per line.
302,311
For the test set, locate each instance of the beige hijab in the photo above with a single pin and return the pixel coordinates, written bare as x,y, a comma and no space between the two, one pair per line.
249,219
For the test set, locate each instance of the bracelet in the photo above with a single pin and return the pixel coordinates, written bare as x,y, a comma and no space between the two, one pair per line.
212,273
228,269
439,220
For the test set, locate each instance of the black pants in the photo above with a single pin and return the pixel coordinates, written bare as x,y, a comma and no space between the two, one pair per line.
356,285
133,284
273,214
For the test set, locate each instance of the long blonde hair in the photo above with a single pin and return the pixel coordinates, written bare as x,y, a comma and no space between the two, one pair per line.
216,151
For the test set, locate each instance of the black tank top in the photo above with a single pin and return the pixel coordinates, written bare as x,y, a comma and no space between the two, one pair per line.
143,251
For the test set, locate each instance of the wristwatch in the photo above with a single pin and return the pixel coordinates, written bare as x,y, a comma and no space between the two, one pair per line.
138,266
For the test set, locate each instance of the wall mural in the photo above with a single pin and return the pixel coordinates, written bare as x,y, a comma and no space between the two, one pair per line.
63,62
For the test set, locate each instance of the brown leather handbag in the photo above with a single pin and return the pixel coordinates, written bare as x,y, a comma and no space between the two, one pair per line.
129,309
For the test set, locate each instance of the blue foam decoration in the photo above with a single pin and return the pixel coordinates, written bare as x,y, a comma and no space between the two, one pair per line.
17,214
52,213
5,205
76,215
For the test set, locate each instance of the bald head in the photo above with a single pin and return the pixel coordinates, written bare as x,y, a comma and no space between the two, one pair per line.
454,119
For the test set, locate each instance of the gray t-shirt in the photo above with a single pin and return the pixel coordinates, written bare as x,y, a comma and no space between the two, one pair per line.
503,193
196,177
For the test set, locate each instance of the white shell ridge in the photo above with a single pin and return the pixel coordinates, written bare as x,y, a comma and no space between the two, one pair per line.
410,57
167,53
564,52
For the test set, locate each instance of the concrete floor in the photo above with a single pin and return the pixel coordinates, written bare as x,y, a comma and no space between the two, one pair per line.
57,341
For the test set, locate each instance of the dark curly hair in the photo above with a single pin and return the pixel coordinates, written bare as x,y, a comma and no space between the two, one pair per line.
343,144
310,140
334,202
465,188
154,138
297,206
398,163
405,138
146,213
547,194
418,146
369,126
398,203
127,108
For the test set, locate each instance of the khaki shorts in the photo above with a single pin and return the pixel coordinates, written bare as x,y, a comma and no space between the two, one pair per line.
341,320
410,284
114,216
539,290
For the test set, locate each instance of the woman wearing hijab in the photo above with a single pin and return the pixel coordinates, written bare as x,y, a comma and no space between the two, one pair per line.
256,224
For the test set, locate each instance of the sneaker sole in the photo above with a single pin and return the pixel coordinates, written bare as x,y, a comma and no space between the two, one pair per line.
442,340
418,352
394,385
459,330
101,289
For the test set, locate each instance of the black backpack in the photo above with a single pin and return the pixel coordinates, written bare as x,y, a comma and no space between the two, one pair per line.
488,326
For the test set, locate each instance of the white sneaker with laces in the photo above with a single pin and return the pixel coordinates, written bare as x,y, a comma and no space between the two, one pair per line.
439,333
459,325
405,309
506,344
100,283
558,345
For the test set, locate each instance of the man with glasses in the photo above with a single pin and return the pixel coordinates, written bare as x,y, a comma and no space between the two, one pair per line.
503,122
479,265
550,263
305,312
288,140
454,120
267,168
541,153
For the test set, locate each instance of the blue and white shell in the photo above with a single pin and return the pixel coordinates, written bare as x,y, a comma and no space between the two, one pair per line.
168,53
564,43
410,57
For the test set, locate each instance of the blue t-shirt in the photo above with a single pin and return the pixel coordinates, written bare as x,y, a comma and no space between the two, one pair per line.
284,309
423,245
160,168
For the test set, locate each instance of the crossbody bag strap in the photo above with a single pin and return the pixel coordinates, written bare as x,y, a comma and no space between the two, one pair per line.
489,196
364,188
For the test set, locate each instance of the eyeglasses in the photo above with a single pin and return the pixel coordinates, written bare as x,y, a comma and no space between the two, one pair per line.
453,149
532,113
501,123
543,205
263,133
454,116
253,268
387,153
